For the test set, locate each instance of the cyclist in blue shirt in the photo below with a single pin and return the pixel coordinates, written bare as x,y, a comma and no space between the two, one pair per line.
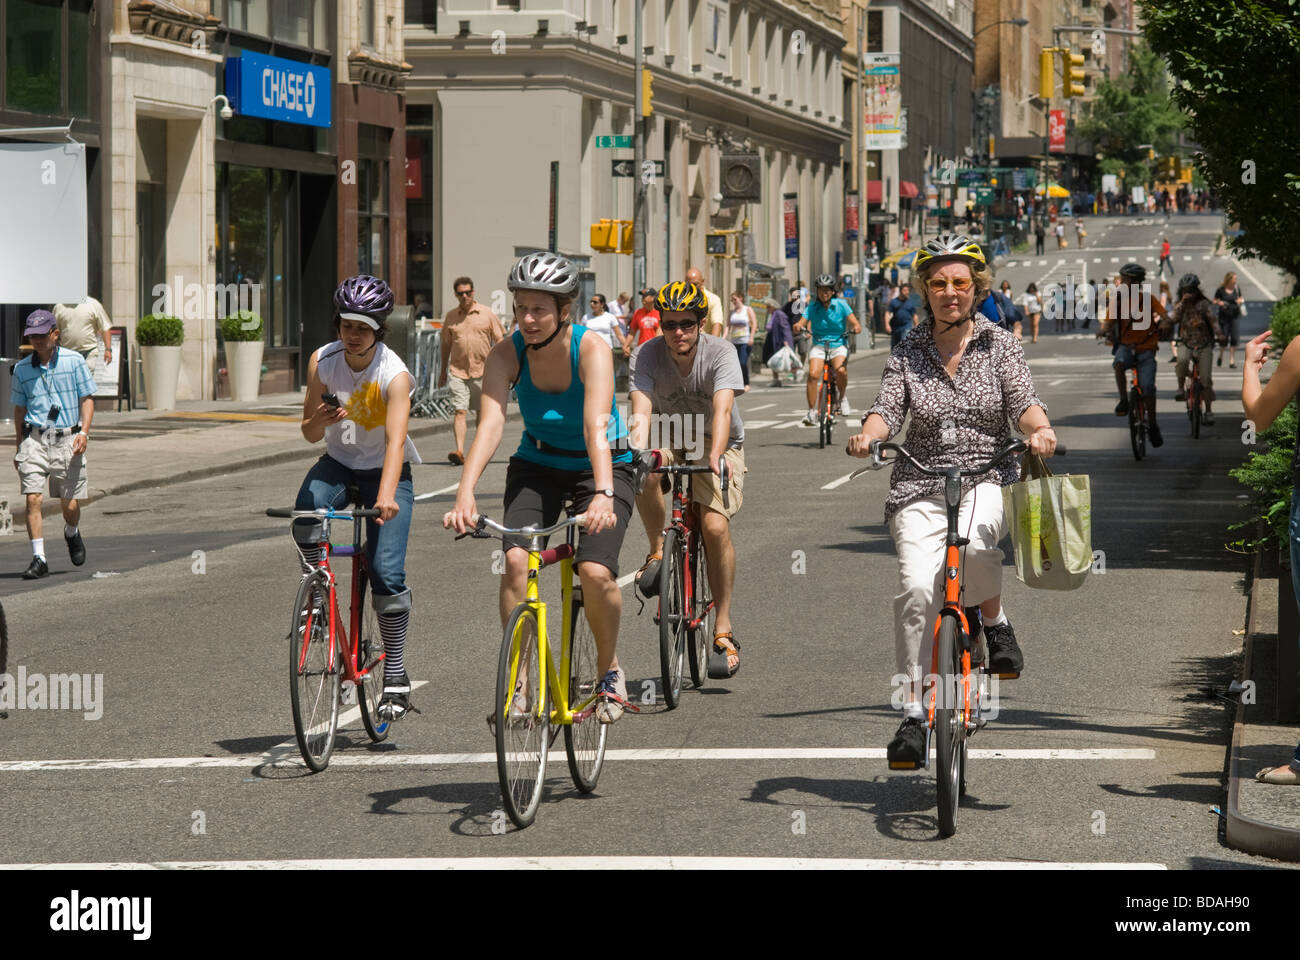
574,446
829,318
900,314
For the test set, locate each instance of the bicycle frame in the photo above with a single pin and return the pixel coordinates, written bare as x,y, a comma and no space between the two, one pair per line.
353,672
686,521
951,604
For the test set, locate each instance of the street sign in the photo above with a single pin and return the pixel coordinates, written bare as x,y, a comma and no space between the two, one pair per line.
627,168
983,195
622,142
882,218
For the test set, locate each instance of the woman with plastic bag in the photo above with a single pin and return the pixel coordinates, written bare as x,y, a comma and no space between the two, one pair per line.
780,336
961,378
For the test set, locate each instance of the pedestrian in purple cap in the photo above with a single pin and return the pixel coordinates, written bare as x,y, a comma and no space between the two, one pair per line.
53,397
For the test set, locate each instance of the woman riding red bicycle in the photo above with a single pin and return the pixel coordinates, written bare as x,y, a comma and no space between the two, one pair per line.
961,378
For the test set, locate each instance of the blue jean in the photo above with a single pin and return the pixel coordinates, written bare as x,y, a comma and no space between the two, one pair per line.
742,352
1294,532
897,333
326,485
1144,360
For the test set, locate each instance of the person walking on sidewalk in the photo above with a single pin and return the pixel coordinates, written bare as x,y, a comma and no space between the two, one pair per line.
1261,405
1229,300
714,323
468,333
82,327
53,397
742,324
359,401
1040,234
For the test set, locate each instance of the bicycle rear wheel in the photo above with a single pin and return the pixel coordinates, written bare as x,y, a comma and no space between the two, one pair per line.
821,415
1136,427
701,638
584,738
522,717
1194,409
672,619
370,651
313,679
949,729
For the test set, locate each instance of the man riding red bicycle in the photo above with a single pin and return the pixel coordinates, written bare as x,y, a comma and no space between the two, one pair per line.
688,381
1134,335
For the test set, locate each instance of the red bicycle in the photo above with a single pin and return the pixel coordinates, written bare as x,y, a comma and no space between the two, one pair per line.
686,614
325,667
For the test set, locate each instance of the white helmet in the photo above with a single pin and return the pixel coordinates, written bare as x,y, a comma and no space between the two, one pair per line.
544,271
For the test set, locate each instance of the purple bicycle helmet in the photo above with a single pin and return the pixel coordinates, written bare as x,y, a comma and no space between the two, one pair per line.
364,298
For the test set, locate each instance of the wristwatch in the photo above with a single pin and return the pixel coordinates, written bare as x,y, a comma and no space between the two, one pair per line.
607,491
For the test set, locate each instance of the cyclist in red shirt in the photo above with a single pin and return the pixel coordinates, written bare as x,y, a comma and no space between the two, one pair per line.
644,324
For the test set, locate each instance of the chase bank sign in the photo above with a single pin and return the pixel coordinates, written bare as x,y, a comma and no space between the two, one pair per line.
274,88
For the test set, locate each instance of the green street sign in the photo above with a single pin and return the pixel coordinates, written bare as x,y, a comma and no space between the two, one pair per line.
984,195
618,142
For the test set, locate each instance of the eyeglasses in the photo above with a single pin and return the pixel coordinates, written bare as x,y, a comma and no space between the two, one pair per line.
464,293
960,284
680,325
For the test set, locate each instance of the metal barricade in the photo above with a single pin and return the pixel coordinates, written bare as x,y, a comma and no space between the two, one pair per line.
429,399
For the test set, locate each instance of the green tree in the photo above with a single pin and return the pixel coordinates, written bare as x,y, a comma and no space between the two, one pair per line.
1131,109
1235,63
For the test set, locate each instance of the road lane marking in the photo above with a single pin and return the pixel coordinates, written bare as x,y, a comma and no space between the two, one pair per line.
1056,383
1251,277
389,758
591,863
426,496
759,424
756,409
785,426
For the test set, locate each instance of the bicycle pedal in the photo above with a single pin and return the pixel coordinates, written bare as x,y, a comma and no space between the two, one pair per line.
903,765
1007,676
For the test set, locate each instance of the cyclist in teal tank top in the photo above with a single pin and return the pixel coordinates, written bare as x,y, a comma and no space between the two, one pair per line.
574,447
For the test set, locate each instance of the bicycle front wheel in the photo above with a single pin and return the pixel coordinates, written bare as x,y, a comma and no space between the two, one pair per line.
1136,428
313,679
701,638
522,717
1194,412
672,619
822,415
584,738
949,729
370,652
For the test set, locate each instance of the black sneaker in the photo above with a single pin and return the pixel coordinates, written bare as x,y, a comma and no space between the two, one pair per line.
1154,432
1180,396
1005,657
36,569
907,750
396,701
1121,408
76,548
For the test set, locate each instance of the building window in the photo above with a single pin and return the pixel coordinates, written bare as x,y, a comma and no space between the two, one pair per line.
875,31
372,199
248,16
508,4
303,23
367,11
419,203
424,13
291,21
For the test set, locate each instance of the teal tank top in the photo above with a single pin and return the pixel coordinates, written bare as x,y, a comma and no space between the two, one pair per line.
555,419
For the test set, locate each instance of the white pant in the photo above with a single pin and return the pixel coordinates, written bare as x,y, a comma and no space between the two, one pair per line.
919,530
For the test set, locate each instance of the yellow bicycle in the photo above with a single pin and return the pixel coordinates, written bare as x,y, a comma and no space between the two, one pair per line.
534,699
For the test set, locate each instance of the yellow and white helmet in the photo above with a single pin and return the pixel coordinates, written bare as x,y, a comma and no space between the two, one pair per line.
949,246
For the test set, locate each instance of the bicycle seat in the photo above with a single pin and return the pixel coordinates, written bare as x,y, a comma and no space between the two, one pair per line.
354,495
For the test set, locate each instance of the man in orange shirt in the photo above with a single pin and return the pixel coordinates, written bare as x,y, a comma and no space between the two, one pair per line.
644,324
468,332
1134,334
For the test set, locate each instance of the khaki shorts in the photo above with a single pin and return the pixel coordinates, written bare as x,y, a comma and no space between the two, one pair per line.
465,394
706,488
38,462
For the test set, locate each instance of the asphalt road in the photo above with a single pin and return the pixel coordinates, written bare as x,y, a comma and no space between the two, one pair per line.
191,650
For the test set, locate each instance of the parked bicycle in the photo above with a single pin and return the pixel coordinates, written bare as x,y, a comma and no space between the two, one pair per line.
534,699
686,613
328,663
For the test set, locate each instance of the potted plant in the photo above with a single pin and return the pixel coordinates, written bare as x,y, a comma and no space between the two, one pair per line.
243,333
160,338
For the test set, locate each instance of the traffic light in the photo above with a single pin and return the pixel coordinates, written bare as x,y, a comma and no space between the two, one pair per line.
1046,74
626,241
647,92
1073,70
602,236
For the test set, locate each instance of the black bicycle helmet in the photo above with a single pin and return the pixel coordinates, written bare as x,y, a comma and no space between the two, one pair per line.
1190,281
1133,272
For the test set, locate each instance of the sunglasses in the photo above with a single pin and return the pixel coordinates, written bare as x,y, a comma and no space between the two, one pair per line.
680,325
960,284
464,293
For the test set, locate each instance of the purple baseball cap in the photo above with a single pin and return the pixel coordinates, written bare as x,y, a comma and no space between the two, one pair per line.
38,322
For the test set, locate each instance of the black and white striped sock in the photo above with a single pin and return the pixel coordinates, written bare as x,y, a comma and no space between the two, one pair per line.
392,627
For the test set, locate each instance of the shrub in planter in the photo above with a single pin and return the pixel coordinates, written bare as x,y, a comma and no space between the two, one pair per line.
156,330
242,325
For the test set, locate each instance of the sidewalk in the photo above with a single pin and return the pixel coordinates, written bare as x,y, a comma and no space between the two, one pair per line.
201,438
1262,818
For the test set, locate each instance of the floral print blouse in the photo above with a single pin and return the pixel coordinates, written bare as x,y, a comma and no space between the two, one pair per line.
961,420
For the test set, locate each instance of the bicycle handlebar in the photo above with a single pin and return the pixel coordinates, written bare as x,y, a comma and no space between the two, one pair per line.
1015,446
483,522
327,513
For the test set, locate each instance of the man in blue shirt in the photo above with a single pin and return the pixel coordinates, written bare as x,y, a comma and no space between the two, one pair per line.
53,397
829,318
901,314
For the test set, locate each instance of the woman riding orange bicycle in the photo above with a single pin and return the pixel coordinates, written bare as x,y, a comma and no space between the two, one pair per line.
961,378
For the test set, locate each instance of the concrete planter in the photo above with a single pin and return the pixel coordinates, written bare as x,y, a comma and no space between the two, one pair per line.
162,371
244,367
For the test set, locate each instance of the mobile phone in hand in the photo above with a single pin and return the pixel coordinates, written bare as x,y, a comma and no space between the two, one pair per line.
330,399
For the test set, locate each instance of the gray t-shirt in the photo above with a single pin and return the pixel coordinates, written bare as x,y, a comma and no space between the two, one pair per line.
716,367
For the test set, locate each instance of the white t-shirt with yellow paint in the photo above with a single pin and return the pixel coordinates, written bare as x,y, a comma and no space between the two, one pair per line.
358,440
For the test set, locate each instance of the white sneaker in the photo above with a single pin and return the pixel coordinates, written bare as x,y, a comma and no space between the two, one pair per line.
810,419
845,409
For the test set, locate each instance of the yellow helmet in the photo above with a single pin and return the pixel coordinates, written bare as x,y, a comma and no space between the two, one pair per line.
949,246
681,295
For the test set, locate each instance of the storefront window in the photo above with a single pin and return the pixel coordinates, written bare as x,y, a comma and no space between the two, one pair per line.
32,56
419,203
372,199
78,58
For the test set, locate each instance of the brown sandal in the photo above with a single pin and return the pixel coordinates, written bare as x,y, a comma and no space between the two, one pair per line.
649,584
725,646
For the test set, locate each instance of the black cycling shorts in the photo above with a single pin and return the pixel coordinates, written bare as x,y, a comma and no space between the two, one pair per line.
536,494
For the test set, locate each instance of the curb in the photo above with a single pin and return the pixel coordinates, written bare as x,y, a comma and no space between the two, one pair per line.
1243,832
